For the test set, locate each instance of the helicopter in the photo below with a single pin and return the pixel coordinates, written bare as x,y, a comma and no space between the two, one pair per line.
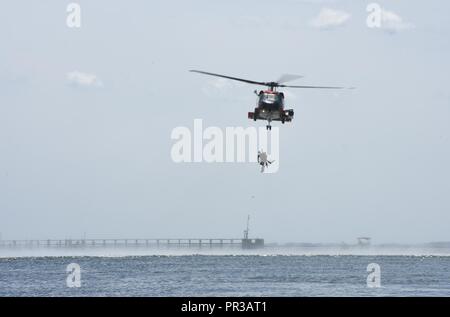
270,104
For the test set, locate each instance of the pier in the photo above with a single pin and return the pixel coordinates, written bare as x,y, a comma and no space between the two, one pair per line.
243,243
133,243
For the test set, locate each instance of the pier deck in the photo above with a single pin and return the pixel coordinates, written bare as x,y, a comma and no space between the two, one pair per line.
81,243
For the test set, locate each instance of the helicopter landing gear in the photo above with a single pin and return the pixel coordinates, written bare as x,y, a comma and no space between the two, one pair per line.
268,126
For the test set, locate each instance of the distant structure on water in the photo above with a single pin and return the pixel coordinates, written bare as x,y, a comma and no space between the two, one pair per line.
251,243
364,241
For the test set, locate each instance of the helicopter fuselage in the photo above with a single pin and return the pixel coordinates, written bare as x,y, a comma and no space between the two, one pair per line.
270,107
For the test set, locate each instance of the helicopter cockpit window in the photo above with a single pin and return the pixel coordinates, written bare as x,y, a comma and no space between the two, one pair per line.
270,98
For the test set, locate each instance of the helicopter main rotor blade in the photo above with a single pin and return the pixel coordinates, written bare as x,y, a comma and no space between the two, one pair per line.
272,84
232,78
314,87
288,77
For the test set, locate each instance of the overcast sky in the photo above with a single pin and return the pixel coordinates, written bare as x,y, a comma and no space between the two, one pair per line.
86,116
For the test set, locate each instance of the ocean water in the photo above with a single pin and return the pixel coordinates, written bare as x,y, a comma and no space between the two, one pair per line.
226,275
